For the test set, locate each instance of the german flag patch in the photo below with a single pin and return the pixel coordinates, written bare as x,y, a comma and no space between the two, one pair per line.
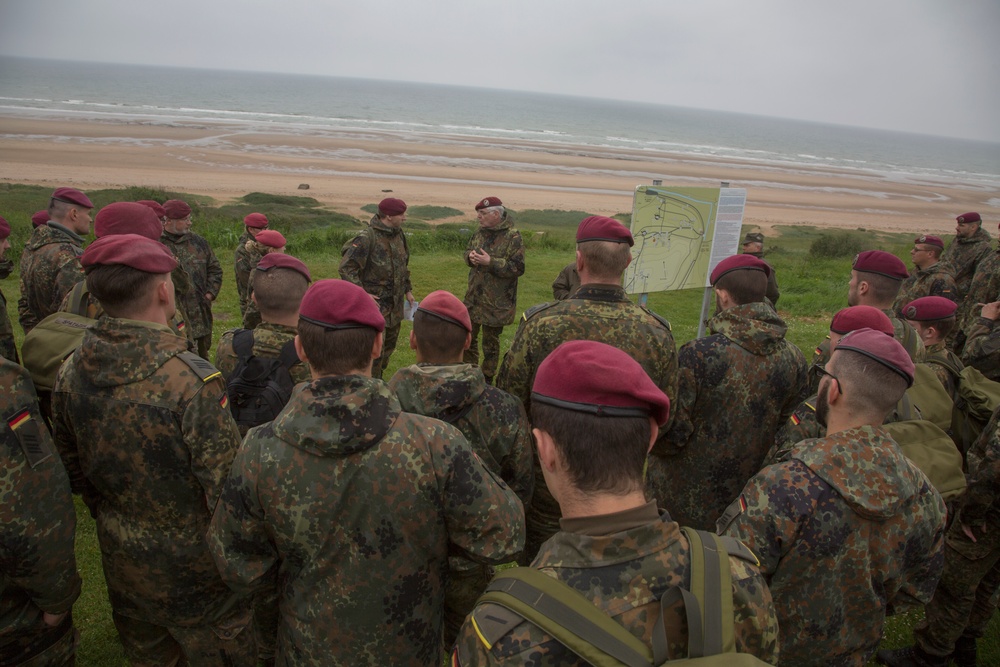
224,401
29,436
795,420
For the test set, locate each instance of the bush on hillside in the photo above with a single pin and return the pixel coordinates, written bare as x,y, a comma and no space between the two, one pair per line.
841,244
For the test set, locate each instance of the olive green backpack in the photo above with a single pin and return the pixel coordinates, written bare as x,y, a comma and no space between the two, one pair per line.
929,448
53,339
978,396
598,639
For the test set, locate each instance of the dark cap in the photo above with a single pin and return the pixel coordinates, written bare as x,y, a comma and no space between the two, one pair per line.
488,202
176,209
338,304
4,228
131,250
446,306
156,207
600,228
927,239
391,206
861,317
881,262
277,260
753,237
929,309
739,263
40,218
886,350
127,217
966,218
587,376
256,220
72,196
271,238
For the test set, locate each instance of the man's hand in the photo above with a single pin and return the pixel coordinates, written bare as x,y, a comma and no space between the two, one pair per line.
409,297
52,620
479,258
991,311
968,532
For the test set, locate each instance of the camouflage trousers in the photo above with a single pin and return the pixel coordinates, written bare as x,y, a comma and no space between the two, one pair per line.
59,653
467,580
965,598
227,643
491,349
204,344
389,339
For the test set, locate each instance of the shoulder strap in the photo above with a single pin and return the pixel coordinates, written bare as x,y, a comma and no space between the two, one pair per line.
945,362
288,357
657,317
534,310
202,368
711,584
243,344
76,298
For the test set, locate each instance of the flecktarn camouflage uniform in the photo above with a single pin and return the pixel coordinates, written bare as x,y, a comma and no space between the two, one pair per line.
497,429
982,348
268,340
144,429
351,507
566,283
736,388
846,530
245,260
624,563
491,296
601,313
378,260
37,528
963,255
935,280
205,274
984,288
50,267
8,349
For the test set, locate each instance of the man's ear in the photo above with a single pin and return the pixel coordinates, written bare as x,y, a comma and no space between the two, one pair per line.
413,340
299,350
654,431
377,345
579,261
548,455
468,341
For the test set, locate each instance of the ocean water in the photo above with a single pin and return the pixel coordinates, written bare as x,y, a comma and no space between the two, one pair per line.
298,104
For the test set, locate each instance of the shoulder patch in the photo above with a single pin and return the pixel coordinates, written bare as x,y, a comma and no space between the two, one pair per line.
202,368
25,427
736,508
657,317
534,310
491,622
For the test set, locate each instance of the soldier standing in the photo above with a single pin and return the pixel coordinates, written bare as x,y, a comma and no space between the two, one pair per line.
983,288
934,319
378,260
8,350
37,529
202,267
736,387
50,264
847,529
753,244
600,310
267,242
152,480
970,245
566,283
982,349
929,278
388,496
246,256
595,415
495,255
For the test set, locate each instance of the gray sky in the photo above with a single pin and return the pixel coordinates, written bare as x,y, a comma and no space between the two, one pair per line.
926,66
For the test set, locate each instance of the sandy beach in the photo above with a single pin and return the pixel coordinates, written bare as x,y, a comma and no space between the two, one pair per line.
346,170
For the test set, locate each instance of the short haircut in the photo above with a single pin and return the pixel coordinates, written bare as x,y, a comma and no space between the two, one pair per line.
943,326
744,286
883,288
438,341
59,209
336,351
934,250
871,388
602,454
279,291
121,290
606,260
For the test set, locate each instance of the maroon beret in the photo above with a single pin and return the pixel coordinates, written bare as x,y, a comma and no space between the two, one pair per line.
488,202
861,317
929,308
884,349
392,206
4,228
969,218
927,239
271,238
126,217
739,263
600,228
592,377
338,304
447,306
256,220
277,260
176,209
72,196
40,218
156,207
881,262
131,250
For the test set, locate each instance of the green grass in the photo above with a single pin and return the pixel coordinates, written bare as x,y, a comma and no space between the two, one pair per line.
812,289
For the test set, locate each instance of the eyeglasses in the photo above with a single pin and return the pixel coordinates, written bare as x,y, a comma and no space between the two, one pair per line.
821,369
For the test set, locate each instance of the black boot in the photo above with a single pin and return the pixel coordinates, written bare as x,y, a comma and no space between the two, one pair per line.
909,656
964,654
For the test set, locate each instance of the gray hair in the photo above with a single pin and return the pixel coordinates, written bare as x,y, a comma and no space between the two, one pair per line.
489,209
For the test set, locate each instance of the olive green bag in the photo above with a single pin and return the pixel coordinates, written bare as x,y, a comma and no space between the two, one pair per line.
930,449
53,339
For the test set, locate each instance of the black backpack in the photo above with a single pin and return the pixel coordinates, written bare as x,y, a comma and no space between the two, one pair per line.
260,386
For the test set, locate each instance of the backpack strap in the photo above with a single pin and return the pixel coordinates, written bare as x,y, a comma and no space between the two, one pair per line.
711,584
946,363
243,344
76,299
204,369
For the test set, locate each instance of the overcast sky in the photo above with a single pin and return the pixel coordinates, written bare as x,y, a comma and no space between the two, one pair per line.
927,66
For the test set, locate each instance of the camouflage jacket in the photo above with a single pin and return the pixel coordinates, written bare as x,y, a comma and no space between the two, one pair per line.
352,507
378,260
268,339
963,255
491,296
145,431
491,420
92,308
772,293
245,260
624,563
846,530
935,280
566,283
938,355
37,524
981,502
50,266
983,288
737,387
8,348
205,273
982,348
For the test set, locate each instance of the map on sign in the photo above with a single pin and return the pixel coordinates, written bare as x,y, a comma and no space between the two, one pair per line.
680,234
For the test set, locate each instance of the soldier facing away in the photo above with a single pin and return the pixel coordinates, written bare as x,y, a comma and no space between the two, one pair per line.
8,350
753,244
247,255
